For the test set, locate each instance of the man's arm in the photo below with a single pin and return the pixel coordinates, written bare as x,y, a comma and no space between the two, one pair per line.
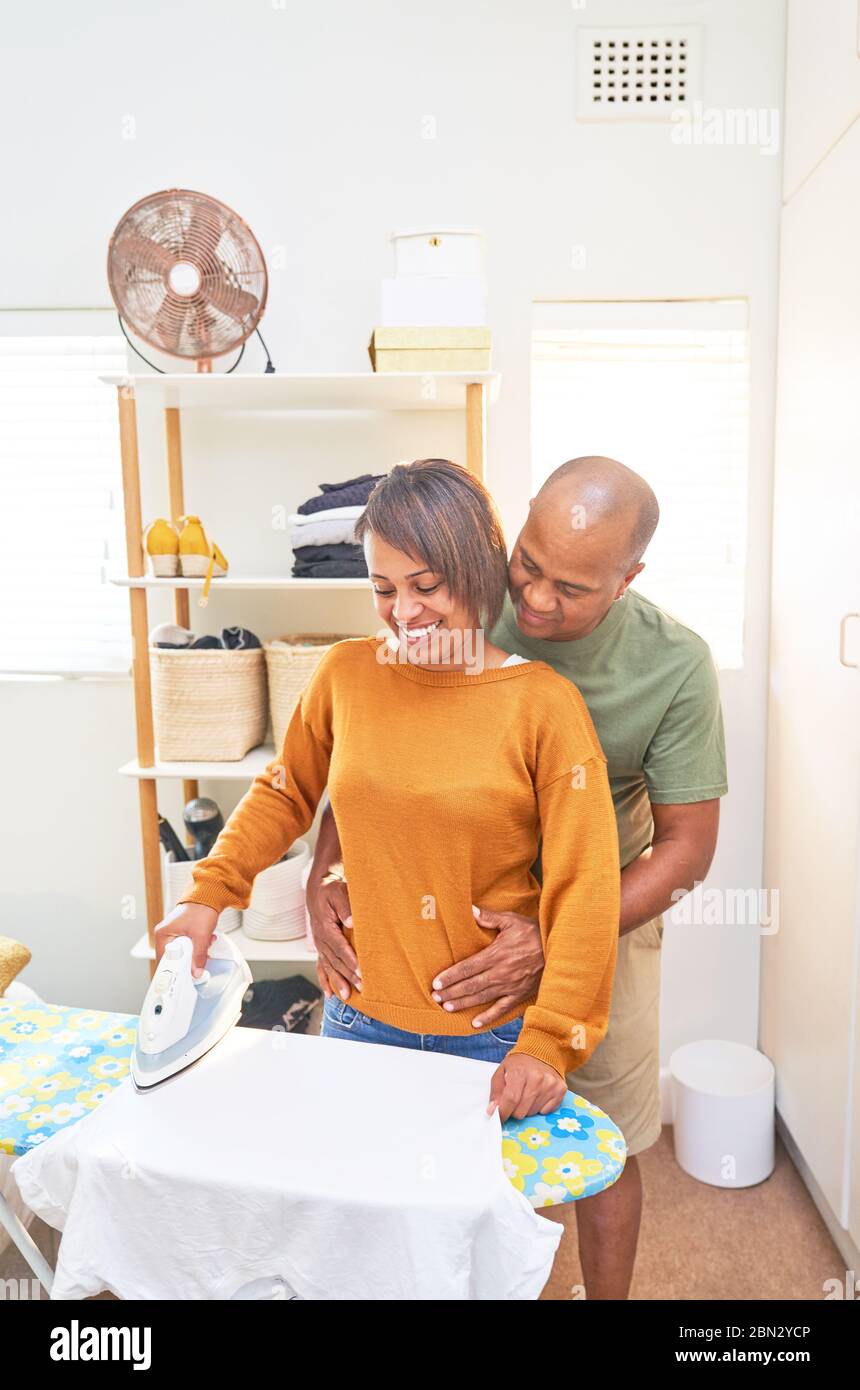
685,837
685,773
509,970
680,855
328,904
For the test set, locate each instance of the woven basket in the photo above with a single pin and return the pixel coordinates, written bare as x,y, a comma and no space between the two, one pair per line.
290,668
208,705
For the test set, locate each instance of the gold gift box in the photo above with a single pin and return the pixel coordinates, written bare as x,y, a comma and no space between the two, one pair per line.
430,349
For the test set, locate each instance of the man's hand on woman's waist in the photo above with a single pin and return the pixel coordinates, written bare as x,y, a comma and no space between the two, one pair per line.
505,973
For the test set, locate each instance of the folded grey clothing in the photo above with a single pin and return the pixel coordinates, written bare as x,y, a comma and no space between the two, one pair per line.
332,569
170,635
354,492
312,554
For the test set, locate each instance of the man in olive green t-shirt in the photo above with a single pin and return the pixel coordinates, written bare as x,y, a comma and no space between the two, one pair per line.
652,690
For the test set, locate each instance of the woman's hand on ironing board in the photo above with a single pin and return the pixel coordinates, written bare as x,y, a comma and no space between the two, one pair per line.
505,973
188,919
523,1085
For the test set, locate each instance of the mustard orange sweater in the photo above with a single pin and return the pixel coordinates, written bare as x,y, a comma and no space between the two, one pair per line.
442,784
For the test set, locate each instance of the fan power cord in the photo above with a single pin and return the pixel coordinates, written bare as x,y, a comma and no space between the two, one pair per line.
269,368
269,364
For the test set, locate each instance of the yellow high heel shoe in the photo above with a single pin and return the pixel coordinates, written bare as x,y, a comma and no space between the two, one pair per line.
161,543
198,556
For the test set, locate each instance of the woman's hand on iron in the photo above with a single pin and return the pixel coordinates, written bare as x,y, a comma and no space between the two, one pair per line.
523,1085
503,974
338,969
188,919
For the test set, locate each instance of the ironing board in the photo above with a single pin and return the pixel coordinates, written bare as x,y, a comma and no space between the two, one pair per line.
57,1064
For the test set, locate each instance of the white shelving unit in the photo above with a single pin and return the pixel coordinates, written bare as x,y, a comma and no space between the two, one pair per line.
294,951
253,392
364,391
238,581
243,770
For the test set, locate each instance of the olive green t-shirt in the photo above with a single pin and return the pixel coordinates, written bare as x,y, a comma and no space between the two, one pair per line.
652,690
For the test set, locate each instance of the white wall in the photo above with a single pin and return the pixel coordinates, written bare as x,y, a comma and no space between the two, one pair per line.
309,121
810,1004
822,98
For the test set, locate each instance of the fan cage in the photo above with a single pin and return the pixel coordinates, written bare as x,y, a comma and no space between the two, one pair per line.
180,228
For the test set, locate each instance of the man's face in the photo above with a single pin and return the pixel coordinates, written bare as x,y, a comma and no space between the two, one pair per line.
564,574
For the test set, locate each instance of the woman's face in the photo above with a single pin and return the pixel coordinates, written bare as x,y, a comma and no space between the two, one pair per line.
414,601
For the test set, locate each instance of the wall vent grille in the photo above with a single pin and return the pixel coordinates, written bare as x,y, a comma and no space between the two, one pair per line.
638,74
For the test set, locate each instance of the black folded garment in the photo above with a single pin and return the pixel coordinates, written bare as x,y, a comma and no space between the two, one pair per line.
353,493
239,639
312,554
283,1004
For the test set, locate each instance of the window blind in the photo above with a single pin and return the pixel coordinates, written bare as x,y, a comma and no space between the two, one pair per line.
61,503
664,388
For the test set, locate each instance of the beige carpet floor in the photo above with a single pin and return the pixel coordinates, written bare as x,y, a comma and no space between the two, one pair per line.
701,1242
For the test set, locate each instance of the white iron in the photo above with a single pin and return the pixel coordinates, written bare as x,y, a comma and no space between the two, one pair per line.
182,1018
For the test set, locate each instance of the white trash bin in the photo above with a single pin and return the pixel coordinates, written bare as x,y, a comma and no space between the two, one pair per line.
723,1112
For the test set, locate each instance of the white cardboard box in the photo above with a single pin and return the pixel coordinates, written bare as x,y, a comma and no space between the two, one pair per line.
444,251
443,301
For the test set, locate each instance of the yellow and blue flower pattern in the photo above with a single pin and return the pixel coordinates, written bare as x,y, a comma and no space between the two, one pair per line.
56,1065
573,1152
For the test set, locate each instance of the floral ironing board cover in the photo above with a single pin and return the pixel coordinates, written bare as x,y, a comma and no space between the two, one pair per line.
573,1152
57,1064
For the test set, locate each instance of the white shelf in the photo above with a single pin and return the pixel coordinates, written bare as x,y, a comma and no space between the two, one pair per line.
298,391
295,951
237,581
242,771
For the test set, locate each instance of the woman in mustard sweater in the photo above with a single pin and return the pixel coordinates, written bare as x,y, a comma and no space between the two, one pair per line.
448,764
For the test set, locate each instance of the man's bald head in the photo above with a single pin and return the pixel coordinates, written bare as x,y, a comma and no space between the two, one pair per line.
606,491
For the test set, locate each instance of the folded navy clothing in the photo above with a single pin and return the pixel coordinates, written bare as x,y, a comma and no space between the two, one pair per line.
312,554
332,569
353,493
350,482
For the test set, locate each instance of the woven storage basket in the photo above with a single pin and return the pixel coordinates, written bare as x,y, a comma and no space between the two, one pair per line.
290,668
208,705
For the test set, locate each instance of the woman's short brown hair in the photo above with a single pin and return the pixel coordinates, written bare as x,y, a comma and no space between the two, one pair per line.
440,513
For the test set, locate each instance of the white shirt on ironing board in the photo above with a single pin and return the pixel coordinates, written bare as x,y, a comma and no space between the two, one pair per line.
283,1165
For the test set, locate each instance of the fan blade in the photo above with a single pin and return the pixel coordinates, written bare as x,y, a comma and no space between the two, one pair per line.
202,328
229,299
133,252
167,325
200,243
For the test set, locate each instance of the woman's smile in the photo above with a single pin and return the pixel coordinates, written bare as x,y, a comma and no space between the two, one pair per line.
414,632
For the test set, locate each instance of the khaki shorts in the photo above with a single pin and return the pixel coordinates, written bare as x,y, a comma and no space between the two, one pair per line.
622,1075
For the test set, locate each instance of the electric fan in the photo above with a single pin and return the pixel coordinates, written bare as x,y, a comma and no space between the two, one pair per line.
188,275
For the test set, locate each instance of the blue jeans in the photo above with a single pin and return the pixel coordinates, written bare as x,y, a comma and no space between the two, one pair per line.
341,1020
